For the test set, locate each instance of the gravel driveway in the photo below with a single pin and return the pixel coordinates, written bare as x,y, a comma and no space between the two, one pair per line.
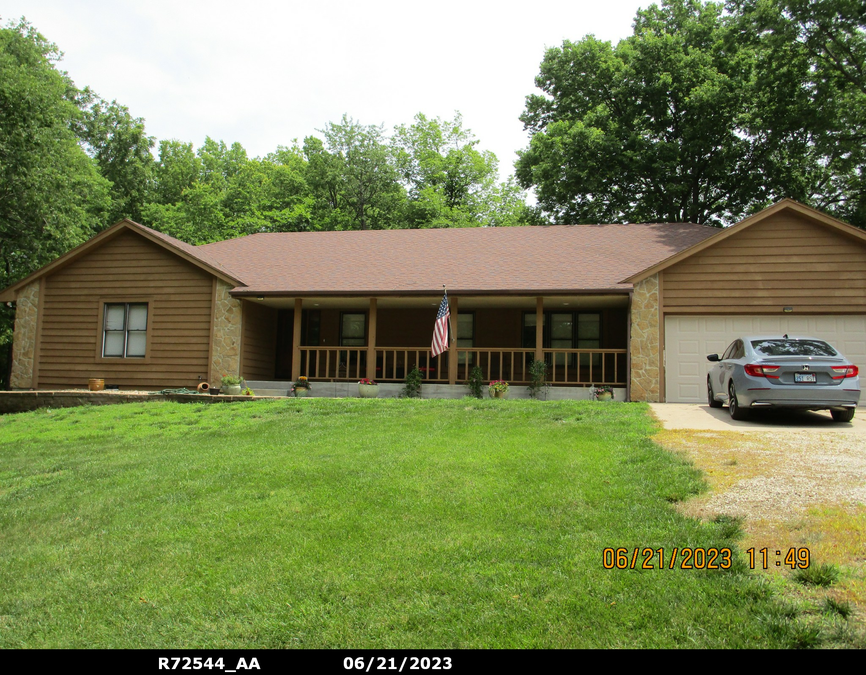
796,480
774,467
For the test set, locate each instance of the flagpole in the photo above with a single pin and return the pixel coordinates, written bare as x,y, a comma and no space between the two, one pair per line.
451,336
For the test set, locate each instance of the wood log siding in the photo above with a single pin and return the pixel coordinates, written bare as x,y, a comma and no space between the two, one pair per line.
258,361
127,267
782,261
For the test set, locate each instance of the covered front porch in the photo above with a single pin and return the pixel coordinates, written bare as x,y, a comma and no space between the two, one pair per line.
582,338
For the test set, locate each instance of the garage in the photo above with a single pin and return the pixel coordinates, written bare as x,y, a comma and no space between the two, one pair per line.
787,269
688,340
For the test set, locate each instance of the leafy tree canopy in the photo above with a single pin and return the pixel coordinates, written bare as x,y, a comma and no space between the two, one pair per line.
812,75
696,117
450,182
354,182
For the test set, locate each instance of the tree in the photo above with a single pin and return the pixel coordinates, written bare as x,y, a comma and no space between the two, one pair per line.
691,118
51,194
450,183
352,178
122,150
812,84
646,130
217,193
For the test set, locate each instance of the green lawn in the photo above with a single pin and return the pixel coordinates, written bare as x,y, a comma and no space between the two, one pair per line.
357,523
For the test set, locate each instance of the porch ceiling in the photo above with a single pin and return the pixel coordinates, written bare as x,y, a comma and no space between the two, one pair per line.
586,301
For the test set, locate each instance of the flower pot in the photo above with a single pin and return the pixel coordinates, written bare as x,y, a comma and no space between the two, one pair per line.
604,396
95,384
498,394
301,392
368,390
232,390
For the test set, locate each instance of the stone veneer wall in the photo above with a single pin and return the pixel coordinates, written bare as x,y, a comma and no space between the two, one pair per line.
226,353
24,339
645,364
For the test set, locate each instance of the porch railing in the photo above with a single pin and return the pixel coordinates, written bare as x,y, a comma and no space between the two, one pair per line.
564,366
334,363
392,363
586,366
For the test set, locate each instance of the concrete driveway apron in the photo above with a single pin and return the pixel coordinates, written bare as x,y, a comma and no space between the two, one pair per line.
702,417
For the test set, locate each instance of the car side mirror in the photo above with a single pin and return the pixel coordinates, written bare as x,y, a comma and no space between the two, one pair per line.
713,357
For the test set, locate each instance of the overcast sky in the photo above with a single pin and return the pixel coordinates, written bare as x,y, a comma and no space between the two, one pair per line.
265,73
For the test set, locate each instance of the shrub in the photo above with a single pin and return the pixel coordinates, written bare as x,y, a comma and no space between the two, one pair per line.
413,384
476,382
537,379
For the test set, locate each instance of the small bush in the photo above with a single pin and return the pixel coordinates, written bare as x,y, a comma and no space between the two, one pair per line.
817,575
413,384
537,379
476,382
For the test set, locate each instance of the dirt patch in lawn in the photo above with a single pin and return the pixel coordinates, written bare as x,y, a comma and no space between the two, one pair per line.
790,490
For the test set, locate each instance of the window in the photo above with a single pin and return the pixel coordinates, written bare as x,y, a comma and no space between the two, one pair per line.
566,330
465,334
124,330
353,330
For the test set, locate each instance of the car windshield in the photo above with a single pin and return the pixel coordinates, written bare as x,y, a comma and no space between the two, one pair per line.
793,348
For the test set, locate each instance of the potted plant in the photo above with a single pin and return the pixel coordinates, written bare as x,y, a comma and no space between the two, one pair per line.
602,392
248,392
302,387
498,389
368,388
230,385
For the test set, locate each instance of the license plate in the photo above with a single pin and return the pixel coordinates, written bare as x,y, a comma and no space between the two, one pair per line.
805,377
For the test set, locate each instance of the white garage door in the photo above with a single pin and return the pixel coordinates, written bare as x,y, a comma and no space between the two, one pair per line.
688,340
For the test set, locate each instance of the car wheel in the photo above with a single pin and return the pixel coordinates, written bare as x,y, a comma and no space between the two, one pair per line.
711,400
845,415
737,413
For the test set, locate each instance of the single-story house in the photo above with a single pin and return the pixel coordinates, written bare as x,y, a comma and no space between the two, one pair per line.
635,306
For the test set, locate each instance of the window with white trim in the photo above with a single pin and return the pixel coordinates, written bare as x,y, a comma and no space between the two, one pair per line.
124,330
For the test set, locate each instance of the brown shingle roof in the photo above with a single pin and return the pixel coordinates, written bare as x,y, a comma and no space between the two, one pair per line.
494,260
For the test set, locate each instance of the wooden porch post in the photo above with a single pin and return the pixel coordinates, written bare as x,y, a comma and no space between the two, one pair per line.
539,328
296,340
371,342
452,347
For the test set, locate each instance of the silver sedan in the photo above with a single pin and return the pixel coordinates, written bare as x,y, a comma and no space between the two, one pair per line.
783,372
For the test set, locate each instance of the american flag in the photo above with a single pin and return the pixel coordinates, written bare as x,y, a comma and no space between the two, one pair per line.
440,330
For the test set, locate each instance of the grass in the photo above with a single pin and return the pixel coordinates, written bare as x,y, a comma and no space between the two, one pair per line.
821,574
830,596
359,523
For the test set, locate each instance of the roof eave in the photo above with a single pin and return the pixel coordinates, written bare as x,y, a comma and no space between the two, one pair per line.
247,292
